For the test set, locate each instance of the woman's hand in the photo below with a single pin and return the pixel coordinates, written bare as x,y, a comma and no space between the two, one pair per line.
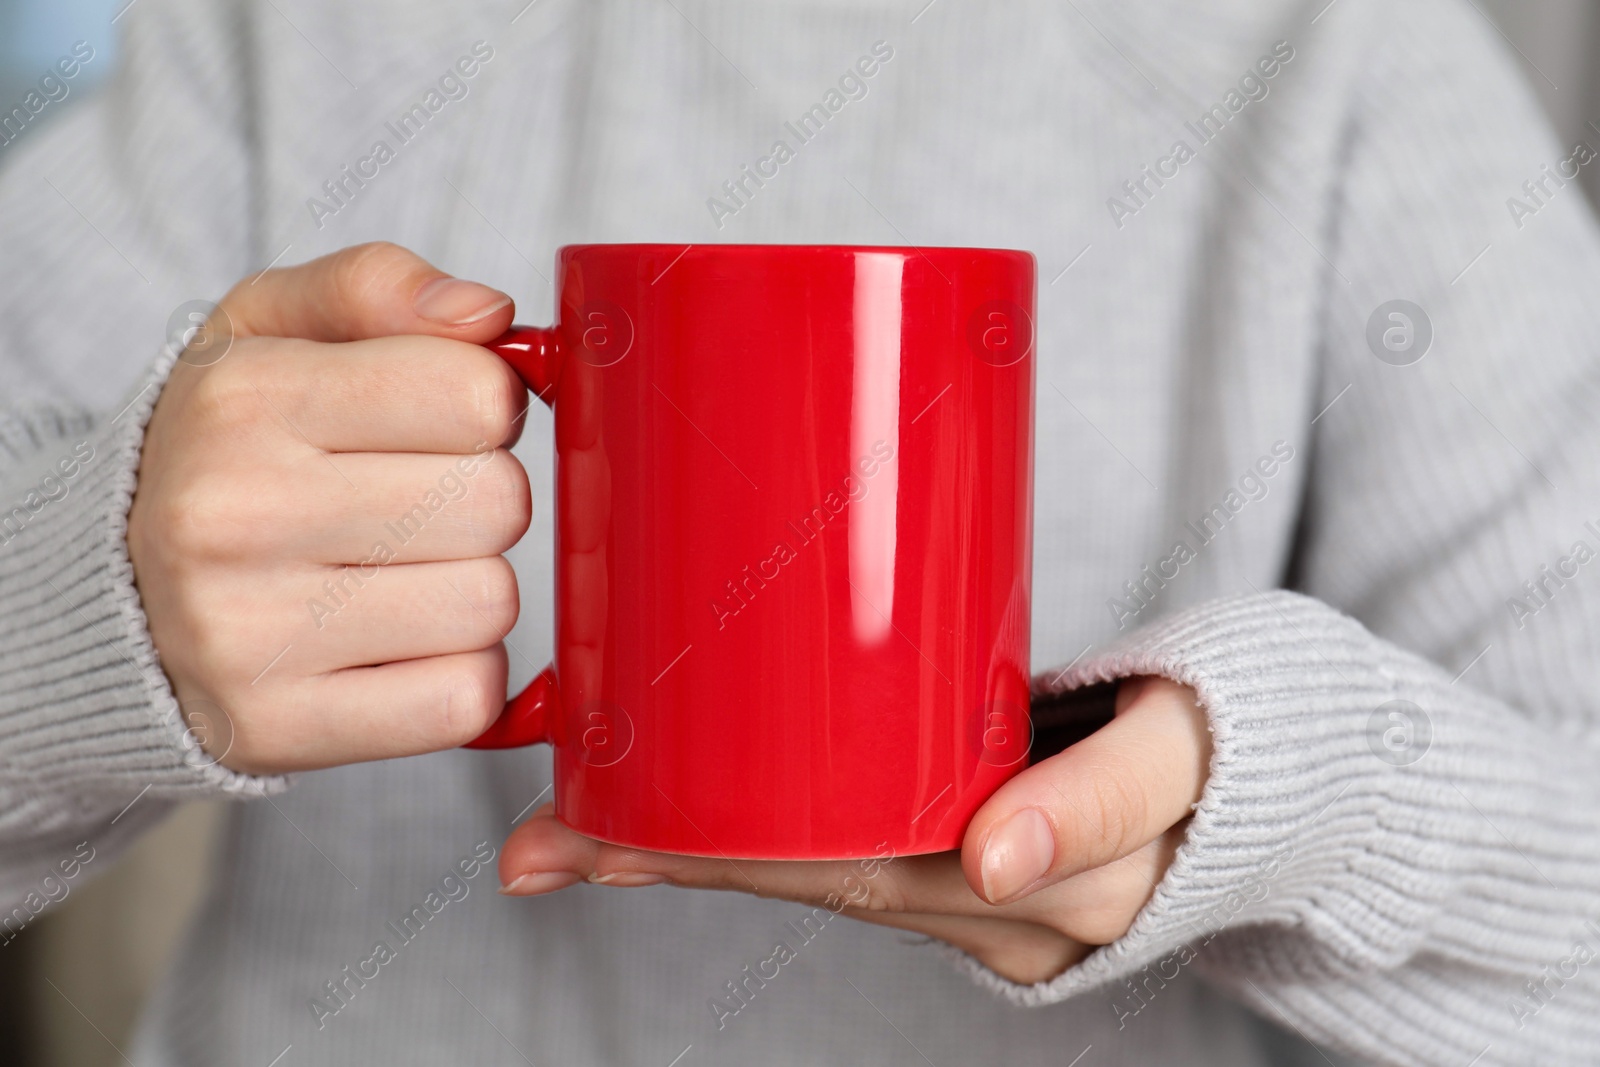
1060,859
322,503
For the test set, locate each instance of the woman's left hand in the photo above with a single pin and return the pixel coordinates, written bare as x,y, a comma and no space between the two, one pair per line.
1060,859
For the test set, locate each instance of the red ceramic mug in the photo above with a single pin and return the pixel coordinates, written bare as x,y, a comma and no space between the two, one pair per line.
793,544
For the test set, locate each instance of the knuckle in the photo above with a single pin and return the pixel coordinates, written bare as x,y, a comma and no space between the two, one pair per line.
214,634
493,593
194,519
1121,807
204,640
360,274
220,388
880,892
223,725
227,396
505,503
261,745
212,653
474,695
492,399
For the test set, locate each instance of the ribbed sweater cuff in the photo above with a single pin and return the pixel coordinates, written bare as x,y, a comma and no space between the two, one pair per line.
1339,851
86,715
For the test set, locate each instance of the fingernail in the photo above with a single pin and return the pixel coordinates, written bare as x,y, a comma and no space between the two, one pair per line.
1018,853
528,885
627,878
454,302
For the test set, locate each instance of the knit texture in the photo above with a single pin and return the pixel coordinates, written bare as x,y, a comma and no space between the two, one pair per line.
1397,853
90,725
1321,882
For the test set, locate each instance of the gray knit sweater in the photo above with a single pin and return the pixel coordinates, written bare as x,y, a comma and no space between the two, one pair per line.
1398,851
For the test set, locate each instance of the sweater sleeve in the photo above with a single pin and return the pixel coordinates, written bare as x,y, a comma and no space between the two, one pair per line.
1397,852
1383,857
107,229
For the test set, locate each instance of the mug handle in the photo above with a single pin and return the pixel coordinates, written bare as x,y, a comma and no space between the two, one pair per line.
535,355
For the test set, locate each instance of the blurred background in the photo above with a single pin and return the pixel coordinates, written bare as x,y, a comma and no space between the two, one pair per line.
98,954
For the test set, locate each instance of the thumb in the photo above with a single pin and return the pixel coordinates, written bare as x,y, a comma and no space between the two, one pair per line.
362,292
1104,798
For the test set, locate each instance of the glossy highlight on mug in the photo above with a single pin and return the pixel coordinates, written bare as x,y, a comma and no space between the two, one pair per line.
793,544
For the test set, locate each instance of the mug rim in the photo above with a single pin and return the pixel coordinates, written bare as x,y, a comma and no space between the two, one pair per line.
747,246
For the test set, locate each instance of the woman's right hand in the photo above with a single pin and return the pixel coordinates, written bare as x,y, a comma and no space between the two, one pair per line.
321,512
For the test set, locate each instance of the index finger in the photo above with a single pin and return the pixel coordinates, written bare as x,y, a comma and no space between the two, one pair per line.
394,394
